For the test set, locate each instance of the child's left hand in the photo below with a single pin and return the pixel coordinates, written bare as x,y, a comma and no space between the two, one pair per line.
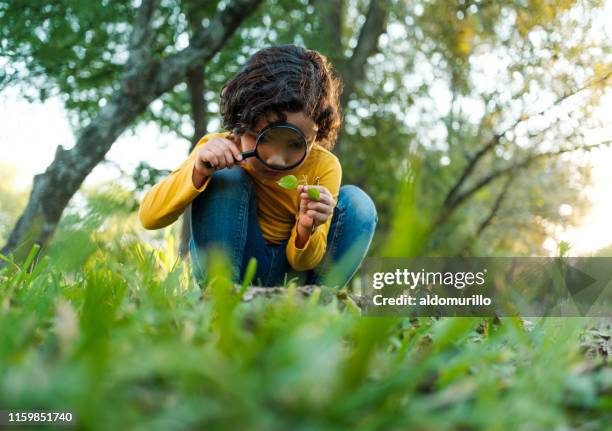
314,213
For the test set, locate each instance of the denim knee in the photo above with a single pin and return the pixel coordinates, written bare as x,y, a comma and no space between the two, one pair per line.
229,180
223,184
357,202
214,217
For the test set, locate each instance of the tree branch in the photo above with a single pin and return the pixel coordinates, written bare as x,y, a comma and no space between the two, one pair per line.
493,142
492,213
459,200
140,49
496,205
352,70
195,76
367,45
195,86
330,13
52,190
204,45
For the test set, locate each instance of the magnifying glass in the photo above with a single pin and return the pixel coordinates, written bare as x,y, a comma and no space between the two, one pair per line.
278,146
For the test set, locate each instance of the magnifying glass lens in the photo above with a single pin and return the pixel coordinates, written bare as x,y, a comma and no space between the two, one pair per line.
281,148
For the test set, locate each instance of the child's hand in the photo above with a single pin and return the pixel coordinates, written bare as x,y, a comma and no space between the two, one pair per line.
217,153
314,213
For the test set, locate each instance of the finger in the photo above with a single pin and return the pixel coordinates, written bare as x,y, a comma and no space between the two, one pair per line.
304,192
328,200
229,158
303,205
213,144
317,217
211,158
236,154
221,162
324,191
319,207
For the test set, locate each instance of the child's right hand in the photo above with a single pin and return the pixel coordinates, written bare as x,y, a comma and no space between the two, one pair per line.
217,153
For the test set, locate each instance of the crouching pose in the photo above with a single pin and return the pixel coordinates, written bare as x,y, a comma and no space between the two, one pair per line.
281,113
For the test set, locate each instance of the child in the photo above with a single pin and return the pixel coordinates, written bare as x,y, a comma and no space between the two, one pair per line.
237,204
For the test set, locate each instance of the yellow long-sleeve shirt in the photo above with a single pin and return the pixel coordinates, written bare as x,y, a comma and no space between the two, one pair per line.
277,208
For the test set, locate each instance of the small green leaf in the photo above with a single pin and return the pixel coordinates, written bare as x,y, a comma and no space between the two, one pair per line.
289,182
249,275
313,193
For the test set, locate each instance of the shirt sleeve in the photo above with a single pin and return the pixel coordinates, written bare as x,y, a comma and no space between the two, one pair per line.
167,200
309,256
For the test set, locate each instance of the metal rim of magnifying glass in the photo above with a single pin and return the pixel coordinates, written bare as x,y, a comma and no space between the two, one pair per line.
287,126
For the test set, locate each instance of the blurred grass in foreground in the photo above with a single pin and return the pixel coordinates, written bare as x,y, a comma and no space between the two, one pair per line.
116,331
128,342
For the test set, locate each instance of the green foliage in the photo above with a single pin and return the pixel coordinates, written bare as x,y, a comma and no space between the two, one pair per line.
126,340
434,90
145,175
411,224
116,331
433,54
604,252
12,200
108,211
64,47
313,193
289,182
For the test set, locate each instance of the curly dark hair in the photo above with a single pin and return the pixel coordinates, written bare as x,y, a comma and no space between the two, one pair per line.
284,78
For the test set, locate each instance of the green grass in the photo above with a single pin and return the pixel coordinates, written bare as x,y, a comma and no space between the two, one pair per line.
127,341
116,331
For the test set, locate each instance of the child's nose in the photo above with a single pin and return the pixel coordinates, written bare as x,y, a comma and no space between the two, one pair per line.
276,159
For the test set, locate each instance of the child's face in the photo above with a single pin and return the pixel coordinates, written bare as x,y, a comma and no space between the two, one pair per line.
248,139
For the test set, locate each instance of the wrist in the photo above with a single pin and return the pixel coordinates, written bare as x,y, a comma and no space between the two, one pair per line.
198,178
303,235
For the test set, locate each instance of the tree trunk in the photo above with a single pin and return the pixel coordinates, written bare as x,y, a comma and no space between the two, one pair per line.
352,69
195,85
144,80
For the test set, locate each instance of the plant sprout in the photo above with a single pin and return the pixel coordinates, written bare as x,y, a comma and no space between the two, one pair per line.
291,182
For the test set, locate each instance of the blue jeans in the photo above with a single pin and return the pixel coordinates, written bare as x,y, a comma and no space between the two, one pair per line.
225,216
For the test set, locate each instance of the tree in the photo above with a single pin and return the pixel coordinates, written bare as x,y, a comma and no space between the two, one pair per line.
521,82
396,59
146,75
307,23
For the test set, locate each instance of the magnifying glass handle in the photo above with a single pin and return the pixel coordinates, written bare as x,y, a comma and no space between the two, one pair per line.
245,155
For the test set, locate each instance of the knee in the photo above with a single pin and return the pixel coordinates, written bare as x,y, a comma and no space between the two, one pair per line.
230,180
357,203
226,187
226,183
